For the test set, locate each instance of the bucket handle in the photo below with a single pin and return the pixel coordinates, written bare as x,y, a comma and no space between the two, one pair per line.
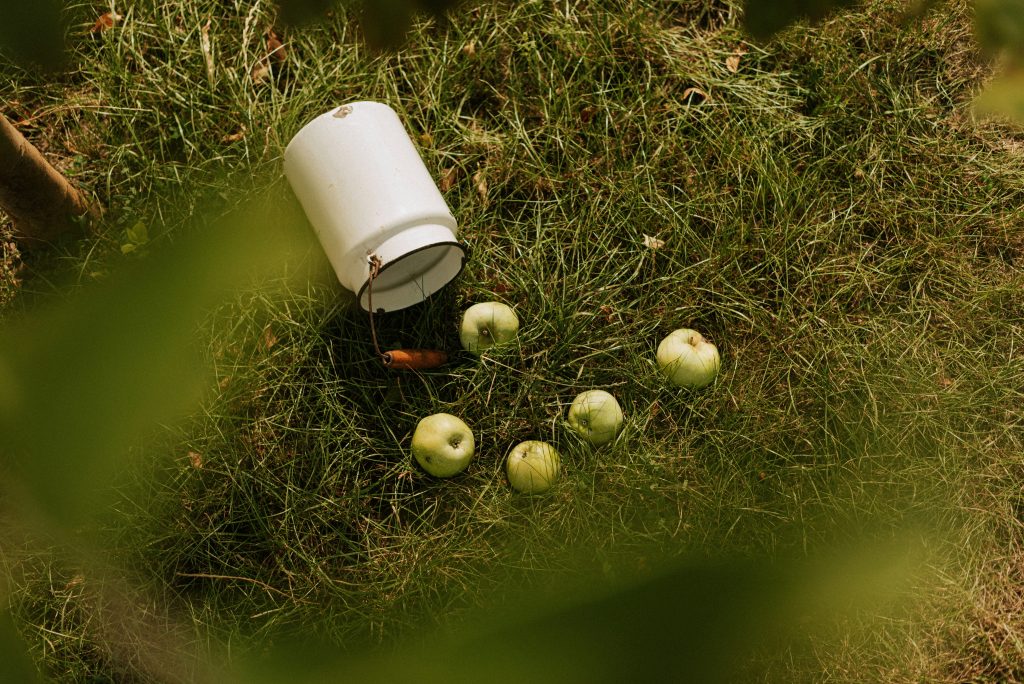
399,359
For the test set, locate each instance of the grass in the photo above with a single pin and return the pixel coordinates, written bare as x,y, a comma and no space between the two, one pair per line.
828,212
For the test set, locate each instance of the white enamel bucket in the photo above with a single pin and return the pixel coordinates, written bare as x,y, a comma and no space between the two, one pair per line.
370,198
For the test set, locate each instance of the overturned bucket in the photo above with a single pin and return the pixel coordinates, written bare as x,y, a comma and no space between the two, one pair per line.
380,218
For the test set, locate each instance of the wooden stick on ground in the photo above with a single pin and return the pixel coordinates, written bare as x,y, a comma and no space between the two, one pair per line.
41,201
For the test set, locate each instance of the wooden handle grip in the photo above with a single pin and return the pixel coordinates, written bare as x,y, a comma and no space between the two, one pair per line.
414,359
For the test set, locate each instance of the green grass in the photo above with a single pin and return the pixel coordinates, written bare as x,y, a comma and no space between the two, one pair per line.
831,216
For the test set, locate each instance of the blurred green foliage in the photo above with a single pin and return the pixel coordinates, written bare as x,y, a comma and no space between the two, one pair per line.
1003,96
32,33
84,377
1000,25
14,660
385,22
700,620
764,18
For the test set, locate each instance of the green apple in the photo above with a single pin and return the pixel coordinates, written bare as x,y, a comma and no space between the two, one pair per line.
532,467
596,416
687,359
487,324
443,444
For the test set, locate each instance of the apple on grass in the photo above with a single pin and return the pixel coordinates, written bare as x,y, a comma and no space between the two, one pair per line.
596,416
443,444
687,359
532,467
487,324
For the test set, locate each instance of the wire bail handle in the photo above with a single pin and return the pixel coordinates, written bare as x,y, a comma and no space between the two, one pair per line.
399,359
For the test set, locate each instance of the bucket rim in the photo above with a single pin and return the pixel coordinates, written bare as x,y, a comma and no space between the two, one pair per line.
464,257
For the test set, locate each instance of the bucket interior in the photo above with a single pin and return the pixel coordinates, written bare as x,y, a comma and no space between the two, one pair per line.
411,278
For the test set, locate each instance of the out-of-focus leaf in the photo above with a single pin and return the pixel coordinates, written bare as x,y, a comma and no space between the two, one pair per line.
32,33
1000,25
385,22
1004,96
303,11
86,377
16,663
764,18
700,621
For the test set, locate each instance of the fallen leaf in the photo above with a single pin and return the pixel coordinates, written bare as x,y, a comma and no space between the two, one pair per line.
260,72
449,178
732,63
268,339
196,459
275,48
204,43
480,183
107,20
653,242
690,92
234,137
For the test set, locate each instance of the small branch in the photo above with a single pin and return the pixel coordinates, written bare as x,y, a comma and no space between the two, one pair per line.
43,203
